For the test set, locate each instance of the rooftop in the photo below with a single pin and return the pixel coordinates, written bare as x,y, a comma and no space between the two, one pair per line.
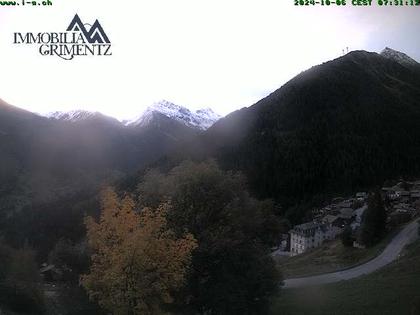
308,229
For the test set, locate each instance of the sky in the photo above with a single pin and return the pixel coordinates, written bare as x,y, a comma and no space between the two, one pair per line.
222,54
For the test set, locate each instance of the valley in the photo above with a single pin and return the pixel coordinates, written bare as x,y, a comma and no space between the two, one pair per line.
83,196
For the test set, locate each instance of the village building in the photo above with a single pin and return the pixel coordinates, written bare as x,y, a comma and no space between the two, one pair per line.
347,204
346,214
405,208
415,195
390,193
330,220
308,235
334,223
403,195
361,196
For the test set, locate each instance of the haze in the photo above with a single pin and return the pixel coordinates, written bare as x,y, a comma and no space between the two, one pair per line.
197,53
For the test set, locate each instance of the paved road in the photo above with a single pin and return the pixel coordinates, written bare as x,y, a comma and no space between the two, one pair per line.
391,252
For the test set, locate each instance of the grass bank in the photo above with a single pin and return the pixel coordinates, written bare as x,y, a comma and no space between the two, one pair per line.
394,289
330,257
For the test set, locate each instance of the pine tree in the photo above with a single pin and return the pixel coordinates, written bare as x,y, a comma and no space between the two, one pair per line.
374,221
346,237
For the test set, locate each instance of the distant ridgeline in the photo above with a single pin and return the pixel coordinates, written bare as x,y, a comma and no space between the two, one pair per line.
52,167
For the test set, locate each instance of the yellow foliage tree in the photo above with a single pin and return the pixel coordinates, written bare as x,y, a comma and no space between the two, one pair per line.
137,260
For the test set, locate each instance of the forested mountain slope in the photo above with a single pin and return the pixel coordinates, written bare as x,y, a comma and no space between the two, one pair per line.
343,125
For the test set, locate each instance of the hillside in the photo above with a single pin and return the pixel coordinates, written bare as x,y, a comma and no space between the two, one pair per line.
50,168
341,126
392,290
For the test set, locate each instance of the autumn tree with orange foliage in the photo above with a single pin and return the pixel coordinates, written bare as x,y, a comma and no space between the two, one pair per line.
137,261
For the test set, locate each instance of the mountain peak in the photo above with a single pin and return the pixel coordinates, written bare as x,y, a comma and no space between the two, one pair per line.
78,115
399,57
201,119
72,116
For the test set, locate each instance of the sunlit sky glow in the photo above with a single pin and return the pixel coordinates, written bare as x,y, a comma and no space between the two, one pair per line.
197,53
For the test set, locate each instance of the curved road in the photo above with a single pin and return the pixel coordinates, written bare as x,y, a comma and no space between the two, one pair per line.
391,253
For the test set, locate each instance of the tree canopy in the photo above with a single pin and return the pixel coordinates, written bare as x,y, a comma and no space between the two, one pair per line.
232,271
374,221
137,260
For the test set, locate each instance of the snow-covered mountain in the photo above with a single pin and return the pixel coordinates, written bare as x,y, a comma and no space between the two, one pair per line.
399,57
79,116
72,116
201,119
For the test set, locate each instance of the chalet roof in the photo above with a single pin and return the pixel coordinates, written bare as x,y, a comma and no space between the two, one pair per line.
346,215
393,188
346,204
306,226
309,229
346,211
330,218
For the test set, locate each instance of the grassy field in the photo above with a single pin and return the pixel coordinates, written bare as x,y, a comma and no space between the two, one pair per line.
392,290
332,256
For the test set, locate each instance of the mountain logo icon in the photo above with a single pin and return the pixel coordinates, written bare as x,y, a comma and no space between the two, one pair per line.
94,34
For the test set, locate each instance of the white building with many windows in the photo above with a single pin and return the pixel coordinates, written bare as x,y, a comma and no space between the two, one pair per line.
308,235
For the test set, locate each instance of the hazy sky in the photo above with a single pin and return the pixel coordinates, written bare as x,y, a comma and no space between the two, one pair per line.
223,54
